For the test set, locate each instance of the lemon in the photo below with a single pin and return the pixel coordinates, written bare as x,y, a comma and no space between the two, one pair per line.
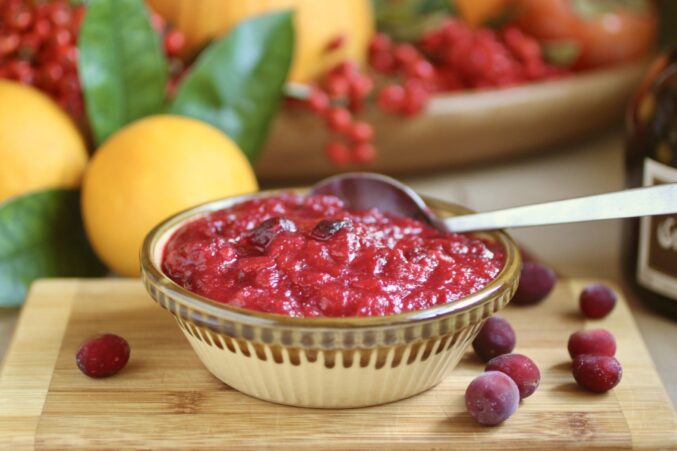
149,170
40,146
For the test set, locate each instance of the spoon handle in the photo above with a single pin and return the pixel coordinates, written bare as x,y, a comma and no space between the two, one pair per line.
647,201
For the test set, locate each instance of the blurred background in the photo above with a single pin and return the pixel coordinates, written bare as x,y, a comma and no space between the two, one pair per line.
490,104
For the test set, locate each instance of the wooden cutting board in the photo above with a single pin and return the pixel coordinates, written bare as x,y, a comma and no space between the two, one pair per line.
164,398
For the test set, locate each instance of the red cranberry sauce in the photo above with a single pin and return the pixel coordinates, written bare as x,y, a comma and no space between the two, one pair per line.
308,256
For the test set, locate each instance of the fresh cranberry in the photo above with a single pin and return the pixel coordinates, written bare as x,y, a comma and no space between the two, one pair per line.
536,282
103,355
364,153
597,300
265,232
381,42
339,119
406,54
520,368
491,398
318,101
593,341
327,228
360,132
415,98
337,85
597,373
174,42
496,337
391,99
338,153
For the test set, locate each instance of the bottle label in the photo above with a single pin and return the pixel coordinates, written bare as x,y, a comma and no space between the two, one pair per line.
657,256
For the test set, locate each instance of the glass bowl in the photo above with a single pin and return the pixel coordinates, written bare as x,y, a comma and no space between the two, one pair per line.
325,362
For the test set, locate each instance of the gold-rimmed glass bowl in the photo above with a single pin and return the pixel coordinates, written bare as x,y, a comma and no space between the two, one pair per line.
325,362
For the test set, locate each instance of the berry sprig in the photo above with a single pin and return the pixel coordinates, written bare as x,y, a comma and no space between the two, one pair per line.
403,77
38,47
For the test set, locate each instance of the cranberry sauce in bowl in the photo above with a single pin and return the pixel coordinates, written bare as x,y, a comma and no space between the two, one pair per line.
308,256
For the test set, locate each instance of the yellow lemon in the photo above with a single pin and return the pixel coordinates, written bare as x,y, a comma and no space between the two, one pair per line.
40,146
149,170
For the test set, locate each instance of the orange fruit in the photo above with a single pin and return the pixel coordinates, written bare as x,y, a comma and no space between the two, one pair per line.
40,146
149,170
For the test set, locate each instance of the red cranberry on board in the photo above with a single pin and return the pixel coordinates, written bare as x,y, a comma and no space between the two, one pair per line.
597,373
536,282
520,368
593,341
103,355
597,300
496,337
491,398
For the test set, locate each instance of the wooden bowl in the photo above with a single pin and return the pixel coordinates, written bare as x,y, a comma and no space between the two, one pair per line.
461,128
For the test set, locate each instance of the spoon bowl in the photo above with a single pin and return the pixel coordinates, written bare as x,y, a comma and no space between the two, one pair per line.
364,190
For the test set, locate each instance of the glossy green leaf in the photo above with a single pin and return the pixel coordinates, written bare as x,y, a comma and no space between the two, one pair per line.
41,235
236,84
121,65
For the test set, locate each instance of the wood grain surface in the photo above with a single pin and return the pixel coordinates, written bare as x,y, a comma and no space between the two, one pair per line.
164,398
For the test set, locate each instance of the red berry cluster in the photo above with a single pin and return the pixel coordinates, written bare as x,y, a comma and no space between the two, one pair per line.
452,57
38,47
338,96
466,58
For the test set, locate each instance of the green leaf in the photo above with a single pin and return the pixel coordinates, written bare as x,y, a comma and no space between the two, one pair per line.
561,53
121,65
41,235
236,84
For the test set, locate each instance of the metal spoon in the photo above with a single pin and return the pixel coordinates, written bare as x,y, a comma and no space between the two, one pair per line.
364,190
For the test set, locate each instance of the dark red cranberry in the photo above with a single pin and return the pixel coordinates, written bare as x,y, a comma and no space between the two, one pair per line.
536,282
496,337
520,368
593,341
597,300
360,132
597,373
103,355
491,398
327,228
264,233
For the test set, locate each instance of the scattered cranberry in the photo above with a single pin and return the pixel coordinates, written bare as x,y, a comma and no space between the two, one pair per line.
327,228
520,368
491,398
496,337
536,282
265,232
597,300
597,373
103,355
593,341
